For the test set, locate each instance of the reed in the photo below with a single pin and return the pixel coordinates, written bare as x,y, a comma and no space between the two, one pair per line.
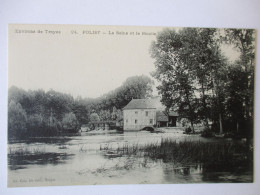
23,150
209,154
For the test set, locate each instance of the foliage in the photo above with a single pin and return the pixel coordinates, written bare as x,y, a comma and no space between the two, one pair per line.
171,70
114,115
17,119
44,111
133,88
202,84
240,104
94,117
37,125
70,122
38,113
109,106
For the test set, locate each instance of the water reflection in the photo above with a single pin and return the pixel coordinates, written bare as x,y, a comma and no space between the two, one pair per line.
181,174
46,140
92,153
198,174
19,161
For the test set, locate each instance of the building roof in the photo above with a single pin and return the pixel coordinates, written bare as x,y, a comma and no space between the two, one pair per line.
152,103
161,116
172,113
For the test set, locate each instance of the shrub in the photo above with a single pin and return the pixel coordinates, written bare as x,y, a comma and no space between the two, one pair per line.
207,133
70,122
187,130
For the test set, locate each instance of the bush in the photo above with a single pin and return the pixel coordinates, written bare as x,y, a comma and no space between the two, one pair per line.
187,130
70,122
207,133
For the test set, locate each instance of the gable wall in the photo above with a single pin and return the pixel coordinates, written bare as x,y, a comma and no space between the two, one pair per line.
130,115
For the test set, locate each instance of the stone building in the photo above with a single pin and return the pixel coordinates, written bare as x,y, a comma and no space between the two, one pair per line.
142,113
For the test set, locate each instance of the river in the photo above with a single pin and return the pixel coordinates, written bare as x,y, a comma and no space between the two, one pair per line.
82,160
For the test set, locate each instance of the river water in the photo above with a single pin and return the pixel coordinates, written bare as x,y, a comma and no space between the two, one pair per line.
84,160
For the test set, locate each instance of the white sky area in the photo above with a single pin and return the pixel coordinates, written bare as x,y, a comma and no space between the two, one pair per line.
86,65
82,64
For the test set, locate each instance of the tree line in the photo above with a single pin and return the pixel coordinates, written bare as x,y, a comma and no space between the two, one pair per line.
201,82
39,113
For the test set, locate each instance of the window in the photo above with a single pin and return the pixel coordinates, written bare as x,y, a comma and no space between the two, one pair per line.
151,121
136,112
126,120
146,113
135,121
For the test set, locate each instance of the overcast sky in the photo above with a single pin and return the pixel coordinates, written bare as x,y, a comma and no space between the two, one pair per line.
80,64
87,64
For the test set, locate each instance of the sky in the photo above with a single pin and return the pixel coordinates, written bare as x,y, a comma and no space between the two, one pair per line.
85,61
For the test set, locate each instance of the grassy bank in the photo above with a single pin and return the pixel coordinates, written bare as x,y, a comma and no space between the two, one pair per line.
210,155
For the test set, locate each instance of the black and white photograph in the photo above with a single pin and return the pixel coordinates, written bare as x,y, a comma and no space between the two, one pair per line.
102,105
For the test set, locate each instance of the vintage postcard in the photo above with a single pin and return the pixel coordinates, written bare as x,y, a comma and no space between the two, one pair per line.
98,105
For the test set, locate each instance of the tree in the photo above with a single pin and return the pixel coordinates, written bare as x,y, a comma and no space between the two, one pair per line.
80,109
137,87
108,105
236,97
201,53
17,119
36,125
133,88
70,122
105,115
243,70
94,117
191,68
177,80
